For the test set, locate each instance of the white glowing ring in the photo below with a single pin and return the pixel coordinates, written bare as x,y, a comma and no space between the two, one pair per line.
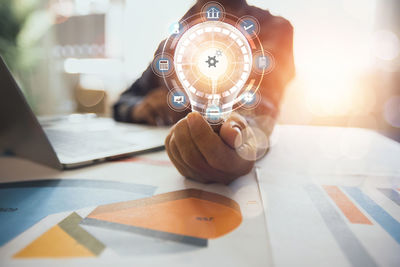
233,38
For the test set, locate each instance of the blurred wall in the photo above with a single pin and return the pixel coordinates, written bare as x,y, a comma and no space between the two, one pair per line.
347,63
346,55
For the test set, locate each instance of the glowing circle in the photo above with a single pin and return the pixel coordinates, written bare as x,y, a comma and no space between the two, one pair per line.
206,66
213,61
386,45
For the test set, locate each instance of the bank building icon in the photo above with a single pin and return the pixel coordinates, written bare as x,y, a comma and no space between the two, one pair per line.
213,13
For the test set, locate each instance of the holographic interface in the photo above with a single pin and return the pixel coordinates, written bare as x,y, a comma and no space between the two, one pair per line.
213,62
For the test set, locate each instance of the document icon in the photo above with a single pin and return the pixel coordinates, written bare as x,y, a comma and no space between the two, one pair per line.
262,62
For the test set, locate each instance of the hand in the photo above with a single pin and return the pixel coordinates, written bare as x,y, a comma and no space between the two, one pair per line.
154,109
205,156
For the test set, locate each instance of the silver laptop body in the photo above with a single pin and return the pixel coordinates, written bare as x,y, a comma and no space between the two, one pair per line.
67,141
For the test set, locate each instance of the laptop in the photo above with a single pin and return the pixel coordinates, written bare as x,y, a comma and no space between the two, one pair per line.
66,141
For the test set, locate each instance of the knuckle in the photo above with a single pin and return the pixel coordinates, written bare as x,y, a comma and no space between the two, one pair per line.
192,160
197,135
218,162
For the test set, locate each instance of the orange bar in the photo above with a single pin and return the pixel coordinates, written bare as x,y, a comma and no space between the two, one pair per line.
188,212
353,214
251,42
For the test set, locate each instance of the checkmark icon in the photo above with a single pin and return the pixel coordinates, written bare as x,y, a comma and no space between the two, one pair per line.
248,27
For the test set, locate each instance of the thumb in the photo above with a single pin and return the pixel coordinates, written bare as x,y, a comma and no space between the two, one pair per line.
231,133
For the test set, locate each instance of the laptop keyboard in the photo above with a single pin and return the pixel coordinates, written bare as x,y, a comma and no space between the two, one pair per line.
73,144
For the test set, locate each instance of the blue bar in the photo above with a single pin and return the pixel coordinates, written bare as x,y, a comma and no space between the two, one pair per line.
347,241
378,213
391,194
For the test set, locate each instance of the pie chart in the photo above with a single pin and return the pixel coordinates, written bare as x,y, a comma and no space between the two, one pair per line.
190,216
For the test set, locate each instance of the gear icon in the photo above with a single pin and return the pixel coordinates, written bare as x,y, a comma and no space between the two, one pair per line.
218,53
212,61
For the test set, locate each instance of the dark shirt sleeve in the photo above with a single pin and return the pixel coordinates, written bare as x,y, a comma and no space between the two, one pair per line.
122,110
276,35
134,95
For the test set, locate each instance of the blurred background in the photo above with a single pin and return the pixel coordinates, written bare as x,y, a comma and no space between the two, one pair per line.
79,55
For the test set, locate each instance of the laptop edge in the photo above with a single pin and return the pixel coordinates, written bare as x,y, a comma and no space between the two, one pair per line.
20,131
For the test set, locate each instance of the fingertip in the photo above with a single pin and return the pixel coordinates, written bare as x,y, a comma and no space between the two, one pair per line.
197,124
231,134
192,118
238,138
166,141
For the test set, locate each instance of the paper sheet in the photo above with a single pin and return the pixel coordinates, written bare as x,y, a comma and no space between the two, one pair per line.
132,212
332,207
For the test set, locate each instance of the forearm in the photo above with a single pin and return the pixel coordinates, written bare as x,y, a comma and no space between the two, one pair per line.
122,110
134,96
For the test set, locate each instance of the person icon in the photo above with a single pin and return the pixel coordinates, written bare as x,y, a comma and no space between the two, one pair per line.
175,28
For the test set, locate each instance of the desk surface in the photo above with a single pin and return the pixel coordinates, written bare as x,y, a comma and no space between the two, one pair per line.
304,149
331,197
328,197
